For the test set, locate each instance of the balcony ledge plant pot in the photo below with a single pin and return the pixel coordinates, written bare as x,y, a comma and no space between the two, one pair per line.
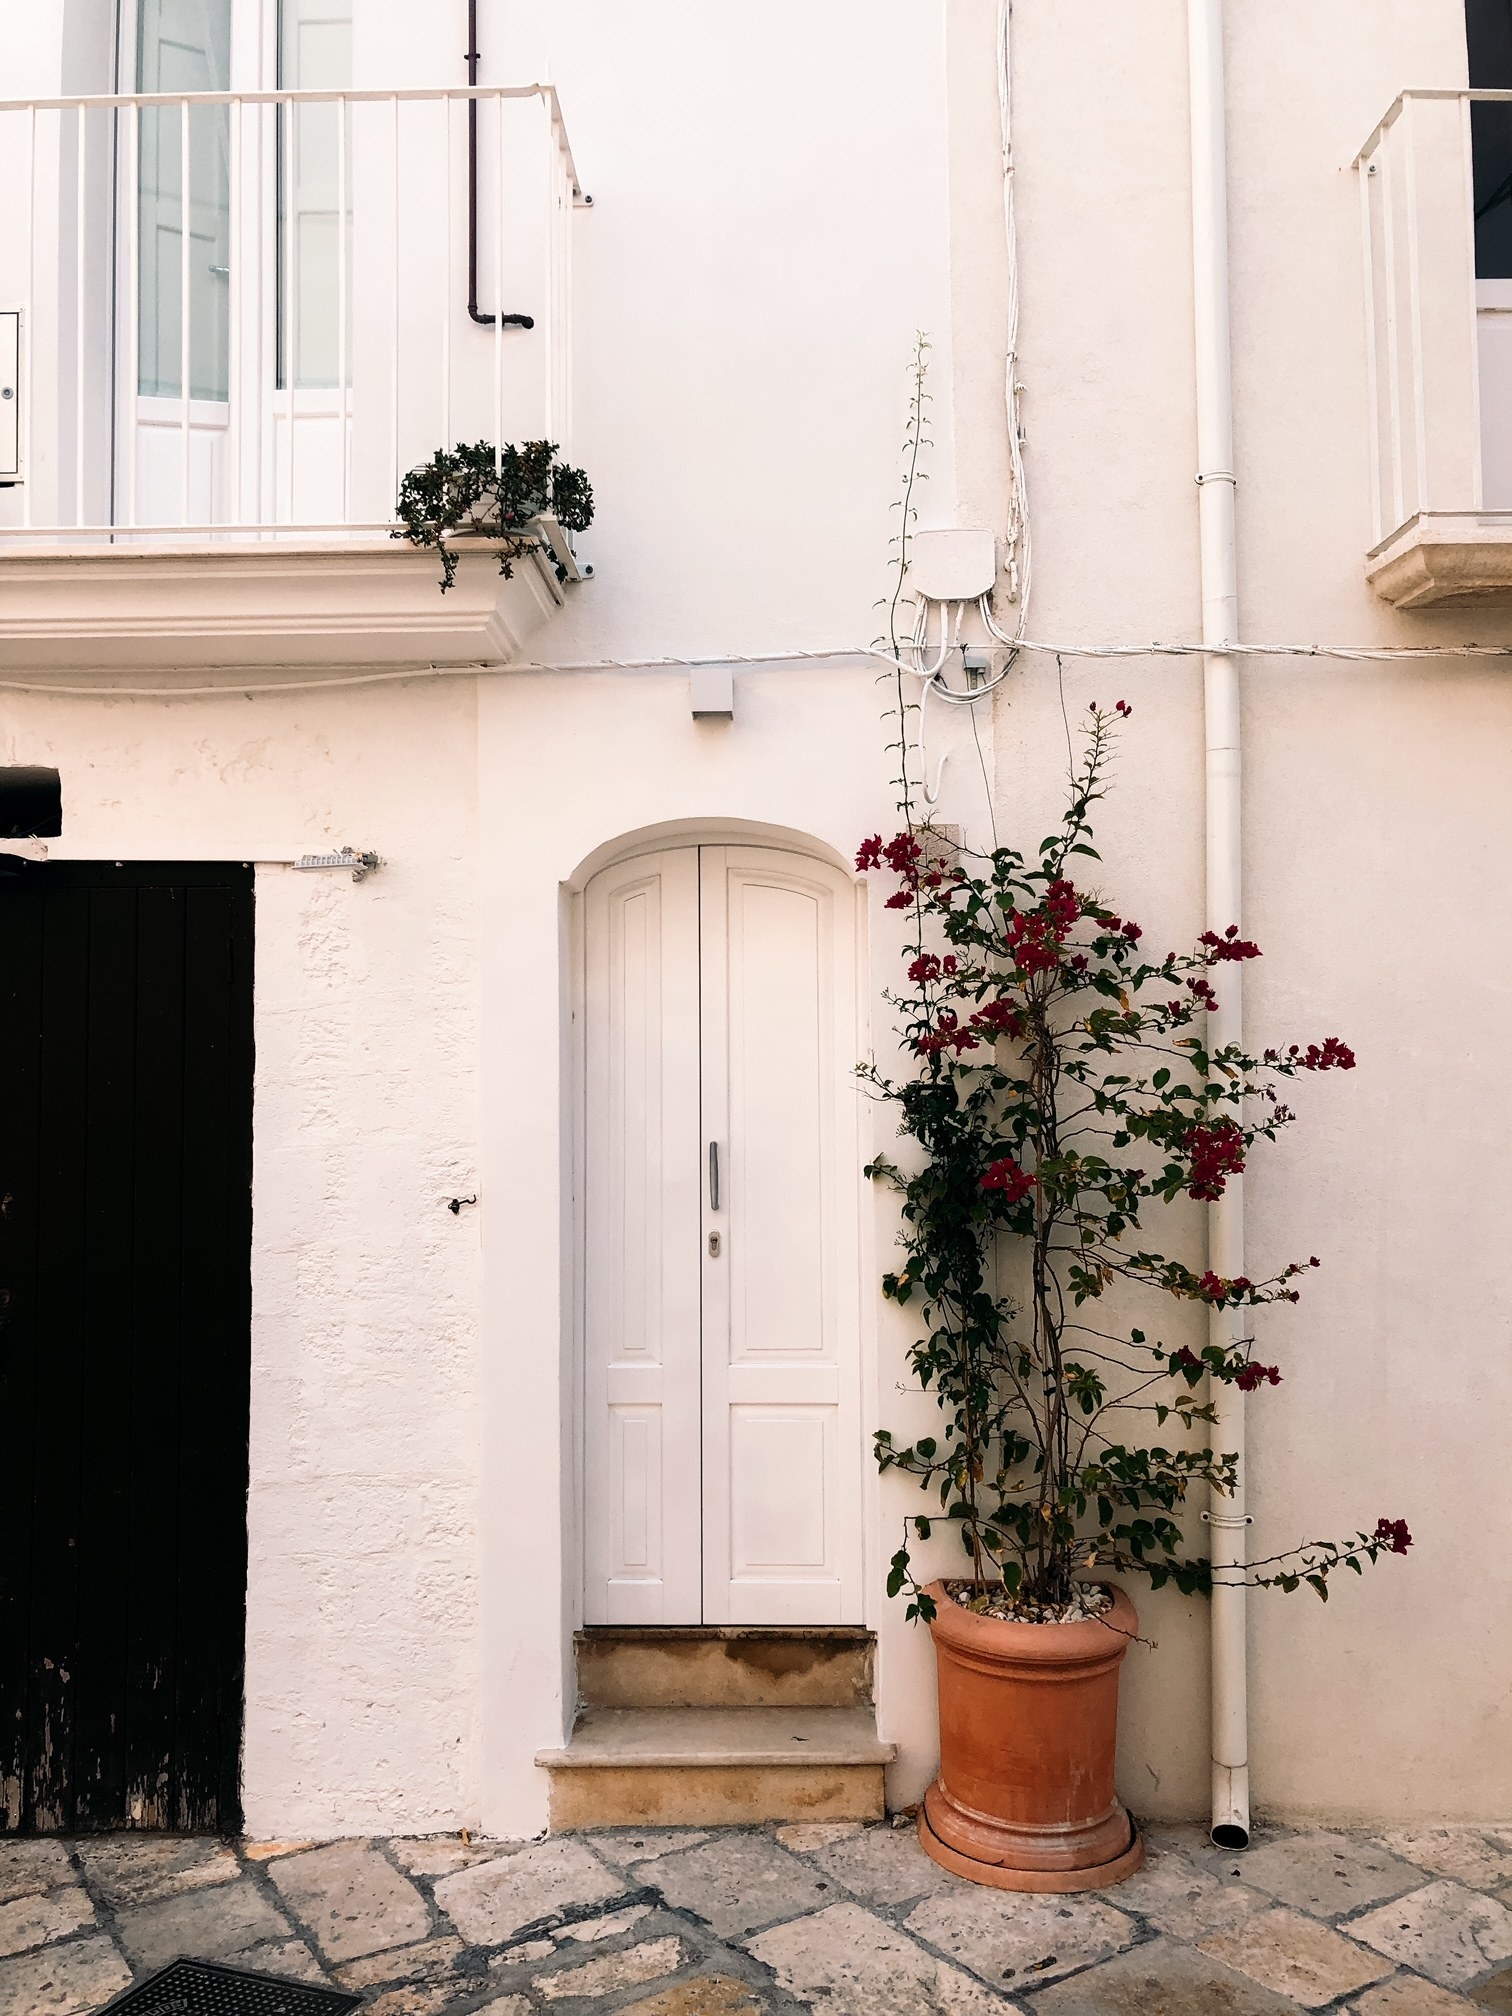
1028,1731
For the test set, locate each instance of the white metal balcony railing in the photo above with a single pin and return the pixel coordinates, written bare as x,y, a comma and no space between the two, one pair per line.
233,317
1438,357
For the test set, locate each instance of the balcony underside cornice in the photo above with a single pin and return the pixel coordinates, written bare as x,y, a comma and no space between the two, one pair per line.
1445,557
94,607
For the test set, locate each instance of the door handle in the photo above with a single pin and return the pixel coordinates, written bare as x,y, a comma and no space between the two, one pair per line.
713,1175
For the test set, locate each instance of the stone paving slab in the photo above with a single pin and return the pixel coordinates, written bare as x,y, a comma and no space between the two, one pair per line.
1296,1957
352,1898
29,1866
63,1980
493,1902
222,1922
853,1964
1327,1874
37,1920
1021,1940
1410,1996
843,1918
738,1881
1450,1933
1165,1978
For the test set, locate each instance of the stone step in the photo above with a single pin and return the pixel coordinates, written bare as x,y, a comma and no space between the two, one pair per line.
716,1767
699,1666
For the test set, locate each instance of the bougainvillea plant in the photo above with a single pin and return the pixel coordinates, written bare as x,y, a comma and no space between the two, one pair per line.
474,488
1061,1093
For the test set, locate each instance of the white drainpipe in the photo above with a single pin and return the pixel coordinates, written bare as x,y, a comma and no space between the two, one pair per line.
1230,1824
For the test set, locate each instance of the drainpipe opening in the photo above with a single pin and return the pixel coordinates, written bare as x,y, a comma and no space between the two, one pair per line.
1227,1835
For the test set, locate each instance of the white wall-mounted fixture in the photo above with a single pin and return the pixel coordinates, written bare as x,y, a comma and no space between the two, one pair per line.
10,395
558,543
346,857
953,564
711,692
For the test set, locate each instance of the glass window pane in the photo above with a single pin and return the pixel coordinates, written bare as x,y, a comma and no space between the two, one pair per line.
314,54
184,45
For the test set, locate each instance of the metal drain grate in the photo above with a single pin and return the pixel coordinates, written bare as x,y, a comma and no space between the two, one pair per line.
201,1988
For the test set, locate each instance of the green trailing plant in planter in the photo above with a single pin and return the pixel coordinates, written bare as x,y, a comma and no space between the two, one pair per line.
476,489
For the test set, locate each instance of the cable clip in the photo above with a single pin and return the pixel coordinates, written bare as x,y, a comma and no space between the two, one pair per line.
1216,476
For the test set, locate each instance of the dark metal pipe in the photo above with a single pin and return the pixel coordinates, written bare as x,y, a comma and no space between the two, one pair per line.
509,321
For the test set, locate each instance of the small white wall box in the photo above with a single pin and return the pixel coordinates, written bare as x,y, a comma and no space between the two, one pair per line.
953,565
711,689
10,395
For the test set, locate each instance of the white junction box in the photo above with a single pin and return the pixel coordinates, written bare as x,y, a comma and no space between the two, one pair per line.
10,395
953,564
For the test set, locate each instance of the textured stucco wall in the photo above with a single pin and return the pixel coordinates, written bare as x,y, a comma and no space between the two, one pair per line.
362,1639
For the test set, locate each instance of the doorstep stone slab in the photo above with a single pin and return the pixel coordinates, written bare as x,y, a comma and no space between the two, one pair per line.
352,1898
1165,1978
493,1902
611,1973
1324,1873
219,1922
1410,1995
129,1869
1451,1934
850,1963
736,1882
65,1981
33,1865
1020,1940
1296,1957
33,1921
882,1865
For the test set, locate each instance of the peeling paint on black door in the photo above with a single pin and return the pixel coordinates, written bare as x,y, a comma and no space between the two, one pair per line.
125,1295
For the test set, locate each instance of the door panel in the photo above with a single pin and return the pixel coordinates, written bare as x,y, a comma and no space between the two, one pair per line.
722,1466
779,1045
641,1189
125,1240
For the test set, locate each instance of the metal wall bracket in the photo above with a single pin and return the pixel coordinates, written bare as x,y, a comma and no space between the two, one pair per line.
348,857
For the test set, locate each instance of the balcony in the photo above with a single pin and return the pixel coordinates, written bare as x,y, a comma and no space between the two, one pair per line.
1436,197
229,323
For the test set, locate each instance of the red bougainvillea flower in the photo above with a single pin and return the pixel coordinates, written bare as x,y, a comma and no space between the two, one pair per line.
925,967
1006,1175
1122,707
999,1017
869,854
1229,946
1329,1055
1392,1533
1216,1151
1254,1375
1183,1361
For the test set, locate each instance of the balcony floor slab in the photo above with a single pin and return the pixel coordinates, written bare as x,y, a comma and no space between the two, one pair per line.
136,606
1445,557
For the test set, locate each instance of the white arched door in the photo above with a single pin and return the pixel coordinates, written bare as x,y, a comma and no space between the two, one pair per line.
720,1184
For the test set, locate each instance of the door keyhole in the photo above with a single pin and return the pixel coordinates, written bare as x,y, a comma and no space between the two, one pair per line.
713,1245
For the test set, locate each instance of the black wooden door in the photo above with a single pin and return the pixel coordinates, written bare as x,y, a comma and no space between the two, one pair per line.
125,1247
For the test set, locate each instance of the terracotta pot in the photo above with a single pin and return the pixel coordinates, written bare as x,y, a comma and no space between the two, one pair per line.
1028,1731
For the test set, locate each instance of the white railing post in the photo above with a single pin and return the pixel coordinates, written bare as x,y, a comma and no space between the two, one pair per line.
235,303
343,367
185,328
81,228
